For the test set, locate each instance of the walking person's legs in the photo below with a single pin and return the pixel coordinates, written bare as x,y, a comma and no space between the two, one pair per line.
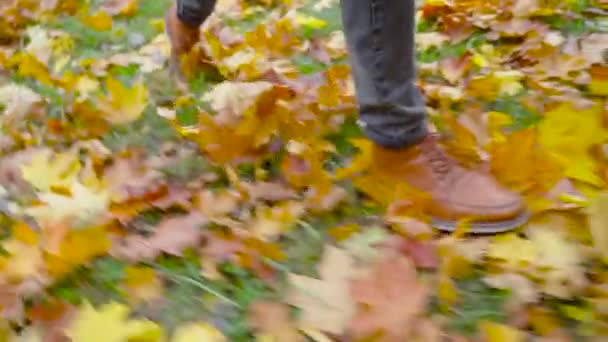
380,40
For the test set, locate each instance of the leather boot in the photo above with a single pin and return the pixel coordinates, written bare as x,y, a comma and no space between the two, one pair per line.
456,192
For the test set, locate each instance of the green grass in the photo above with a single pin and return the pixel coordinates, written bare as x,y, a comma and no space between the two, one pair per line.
94,44
477,303
99,283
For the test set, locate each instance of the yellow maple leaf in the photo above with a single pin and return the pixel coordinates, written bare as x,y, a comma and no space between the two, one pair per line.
560,262
99,21
271,222
29,66
195,332
142,284
513,251
123,105
110,324
77,248
518,161
463,144
496,332
82,206
47,171
569,134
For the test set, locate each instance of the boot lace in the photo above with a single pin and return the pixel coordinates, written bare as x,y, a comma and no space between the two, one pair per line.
441,163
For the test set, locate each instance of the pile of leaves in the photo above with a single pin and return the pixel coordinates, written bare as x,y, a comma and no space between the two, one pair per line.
246,205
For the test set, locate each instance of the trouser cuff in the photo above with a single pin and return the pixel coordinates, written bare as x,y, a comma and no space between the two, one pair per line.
398,138
194,12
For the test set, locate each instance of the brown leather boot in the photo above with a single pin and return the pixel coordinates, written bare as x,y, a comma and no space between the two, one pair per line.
456,192
181,36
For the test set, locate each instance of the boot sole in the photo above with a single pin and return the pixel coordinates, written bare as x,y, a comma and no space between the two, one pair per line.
483,227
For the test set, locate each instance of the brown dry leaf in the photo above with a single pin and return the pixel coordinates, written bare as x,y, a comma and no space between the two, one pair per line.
273,319
391,300
268,191
171,236
217,204
326,303
52,316
130,177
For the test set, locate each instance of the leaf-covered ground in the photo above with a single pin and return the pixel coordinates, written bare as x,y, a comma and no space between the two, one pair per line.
247,206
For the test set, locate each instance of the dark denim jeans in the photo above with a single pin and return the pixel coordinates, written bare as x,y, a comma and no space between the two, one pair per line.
380,41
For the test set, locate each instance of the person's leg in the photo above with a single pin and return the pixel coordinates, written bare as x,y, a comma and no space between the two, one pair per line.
380,36
194,12
182,24
380,40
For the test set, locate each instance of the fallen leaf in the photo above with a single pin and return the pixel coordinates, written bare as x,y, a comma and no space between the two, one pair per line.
364,245
171,236
557,132
123,7
142,284
123,105
47,170
99,21
326,303
23,260
495,332
268,191
593,47
390,300
273,319
198,332
17,100
109,324
522,288
598,224
82,207
75,249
